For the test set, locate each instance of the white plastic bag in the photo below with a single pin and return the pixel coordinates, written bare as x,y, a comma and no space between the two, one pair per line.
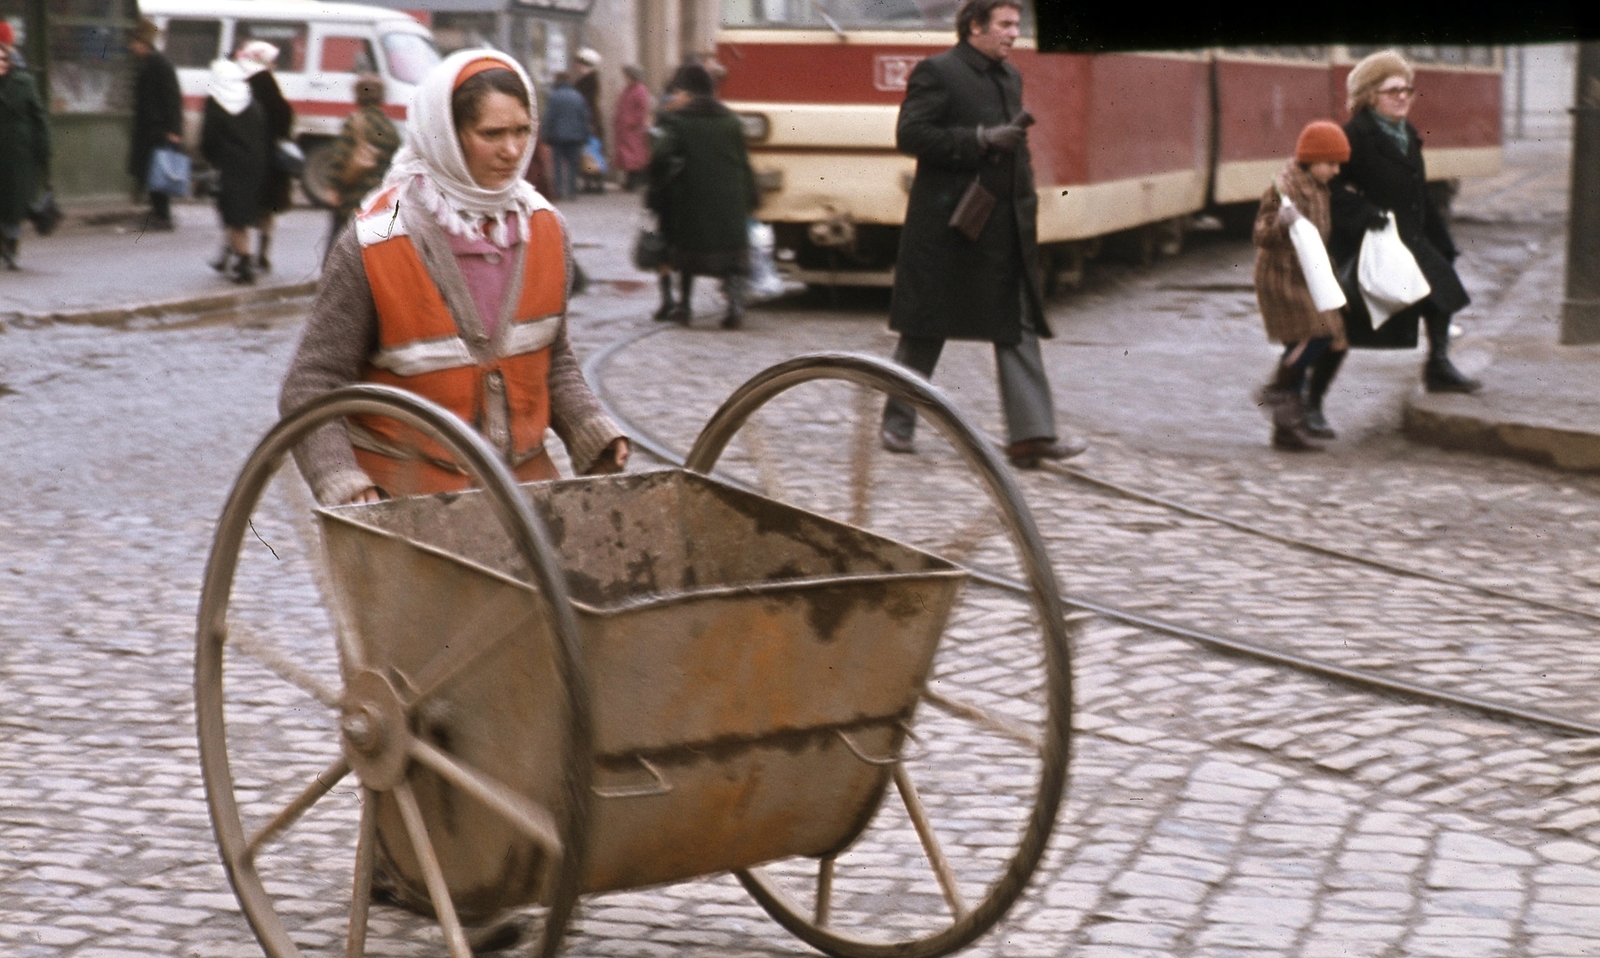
1389,275
1314,263
765,282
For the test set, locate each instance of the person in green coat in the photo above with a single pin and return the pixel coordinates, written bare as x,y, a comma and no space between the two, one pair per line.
703,191
24,152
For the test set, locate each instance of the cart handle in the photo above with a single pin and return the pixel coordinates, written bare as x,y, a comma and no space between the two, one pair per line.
855,749
661,786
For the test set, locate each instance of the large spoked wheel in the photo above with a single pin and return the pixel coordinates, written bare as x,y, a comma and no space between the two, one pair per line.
306,742
977,787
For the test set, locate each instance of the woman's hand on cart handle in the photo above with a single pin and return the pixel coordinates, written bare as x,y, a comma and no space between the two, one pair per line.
614,458
365,496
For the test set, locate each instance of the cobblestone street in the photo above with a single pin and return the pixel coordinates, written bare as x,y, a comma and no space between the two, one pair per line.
1216,805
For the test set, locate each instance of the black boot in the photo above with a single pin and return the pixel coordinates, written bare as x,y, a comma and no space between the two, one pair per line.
243,273
1439,374
665,312
262,263
681,312
224,261
1322,372
1283,400
733,286
8,252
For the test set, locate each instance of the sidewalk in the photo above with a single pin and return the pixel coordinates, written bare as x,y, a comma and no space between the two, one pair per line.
1540,401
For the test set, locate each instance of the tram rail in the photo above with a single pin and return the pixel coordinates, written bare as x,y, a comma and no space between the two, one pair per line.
1363,679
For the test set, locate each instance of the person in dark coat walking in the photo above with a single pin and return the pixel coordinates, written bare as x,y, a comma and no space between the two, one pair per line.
233,139
1386,173
258,58
702,192
24,152
962,119
157,117
566,129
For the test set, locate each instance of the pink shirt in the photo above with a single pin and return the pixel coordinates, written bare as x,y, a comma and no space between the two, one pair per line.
487,269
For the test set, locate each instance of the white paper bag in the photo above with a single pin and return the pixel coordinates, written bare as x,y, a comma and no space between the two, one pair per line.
1389,275
1314,263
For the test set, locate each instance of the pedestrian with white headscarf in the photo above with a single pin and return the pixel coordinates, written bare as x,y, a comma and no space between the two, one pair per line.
233,139
258,58
452,282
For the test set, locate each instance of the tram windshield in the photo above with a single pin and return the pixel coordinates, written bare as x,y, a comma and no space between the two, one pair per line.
849,14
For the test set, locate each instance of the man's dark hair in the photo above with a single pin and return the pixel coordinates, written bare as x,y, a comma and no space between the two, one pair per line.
466,103
977,12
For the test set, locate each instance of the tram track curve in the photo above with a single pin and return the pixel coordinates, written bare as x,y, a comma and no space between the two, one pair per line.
1388,686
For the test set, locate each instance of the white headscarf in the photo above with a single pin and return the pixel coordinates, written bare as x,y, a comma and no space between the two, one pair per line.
432,161
228,87
255,56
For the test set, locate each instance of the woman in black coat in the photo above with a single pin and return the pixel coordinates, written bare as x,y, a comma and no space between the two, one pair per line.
233,139
257,58
1385,173
24,151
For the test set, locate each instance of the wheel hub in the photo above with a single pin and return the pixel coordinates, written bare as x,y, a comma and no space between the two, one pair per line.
374,731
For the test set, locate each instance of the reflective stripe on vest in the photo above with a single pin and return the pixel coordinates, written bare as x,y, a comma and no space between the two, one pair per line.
421,349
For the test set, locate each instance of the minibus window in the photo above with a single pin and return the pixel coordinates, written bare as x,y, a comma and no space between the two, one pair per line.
348,55
410,56
289,37
193,43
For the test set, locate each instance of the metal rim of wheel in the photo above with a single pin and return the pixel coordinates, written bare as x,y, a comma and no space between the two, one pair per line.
966,922
525,530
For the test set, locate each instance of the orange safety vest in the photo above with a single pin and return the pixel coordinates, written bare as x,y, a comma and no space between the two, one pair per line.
421,349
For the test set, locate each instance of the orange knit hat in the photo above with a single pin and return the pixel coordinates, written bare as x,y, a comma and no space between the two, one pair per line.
1322,141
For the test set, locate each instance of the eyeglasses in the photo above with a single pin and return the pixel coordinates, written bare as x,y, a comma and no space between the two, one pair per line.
1397,91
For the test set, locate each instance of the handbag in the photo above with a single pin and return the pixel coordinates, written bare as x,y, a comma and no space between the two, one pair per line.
288,158
593,160
169,171
1314,263
972,211
1388,273
44,213
649,246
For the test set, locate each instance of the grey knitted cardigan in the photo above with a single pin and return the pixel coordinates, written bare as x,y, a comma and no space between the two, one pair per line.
343,333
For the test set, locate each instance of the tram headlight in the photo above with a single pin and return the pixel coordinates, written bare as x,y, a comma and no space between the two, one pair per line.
756,126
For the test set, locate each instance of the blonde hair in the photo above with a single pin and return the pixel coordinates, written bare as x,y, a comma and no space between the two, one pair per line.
1365,78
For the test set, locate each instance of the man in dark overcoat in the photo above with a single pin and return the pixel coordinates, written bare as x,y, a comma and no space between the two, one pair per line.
157,116
963,120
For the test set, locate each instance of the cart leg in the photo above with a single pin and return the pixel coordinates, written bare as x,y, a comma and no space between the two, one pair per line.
824,891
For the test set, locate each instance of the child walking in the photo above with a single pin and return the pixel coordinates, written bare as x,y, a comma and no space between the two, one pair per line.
1314,343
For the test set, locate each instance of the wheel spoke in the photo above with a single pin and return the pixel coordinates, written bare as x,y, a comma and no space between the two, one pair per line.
248,642
824,891
1010,728
470,643
361,893
930,842
861,458
417,830
969,535
291,813
534,821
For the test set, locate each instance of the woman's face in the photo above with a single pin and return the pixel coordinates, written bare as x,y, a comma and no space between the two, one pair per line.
5,61
1393,98
494,143
1324,172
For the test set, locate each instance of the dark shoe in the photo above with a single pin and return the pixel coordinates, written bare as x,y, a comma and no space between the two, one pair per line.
157,225
1294,439
1440,375
897,444
262,263
1316,425
1027,453
224,261
8,253
733,320
664,313
244,274
679,314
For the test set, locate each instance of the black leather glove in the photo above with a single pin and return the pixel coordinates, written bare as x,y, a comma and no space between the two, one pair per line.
1001,139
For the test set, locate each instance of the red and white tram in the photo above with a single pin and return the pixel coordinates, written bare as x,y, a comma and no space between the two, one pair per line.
1127,145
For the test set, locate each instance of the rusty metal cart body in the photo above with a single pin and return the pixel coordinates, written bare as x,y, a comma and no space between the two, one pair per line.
608,683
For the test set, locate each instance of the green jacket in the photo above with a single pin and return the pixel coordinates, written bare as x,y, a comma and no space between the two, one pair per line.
702,187
24,145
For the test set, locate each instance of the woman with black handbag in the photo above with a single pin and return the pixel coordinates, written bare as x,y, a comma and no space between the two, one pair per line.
24,153
1386,173
233,139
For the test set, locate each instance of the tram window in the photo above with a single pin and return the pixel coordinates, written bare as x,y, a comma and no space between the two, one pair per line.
1281,52
289,37
193,43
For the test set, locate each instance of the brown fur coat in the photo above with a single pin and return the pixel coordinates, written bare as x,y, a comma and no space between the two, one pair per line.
1286,307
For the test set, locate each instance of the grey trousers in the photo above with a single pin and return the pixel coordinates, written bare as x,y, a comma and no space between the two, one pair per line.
1024,388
